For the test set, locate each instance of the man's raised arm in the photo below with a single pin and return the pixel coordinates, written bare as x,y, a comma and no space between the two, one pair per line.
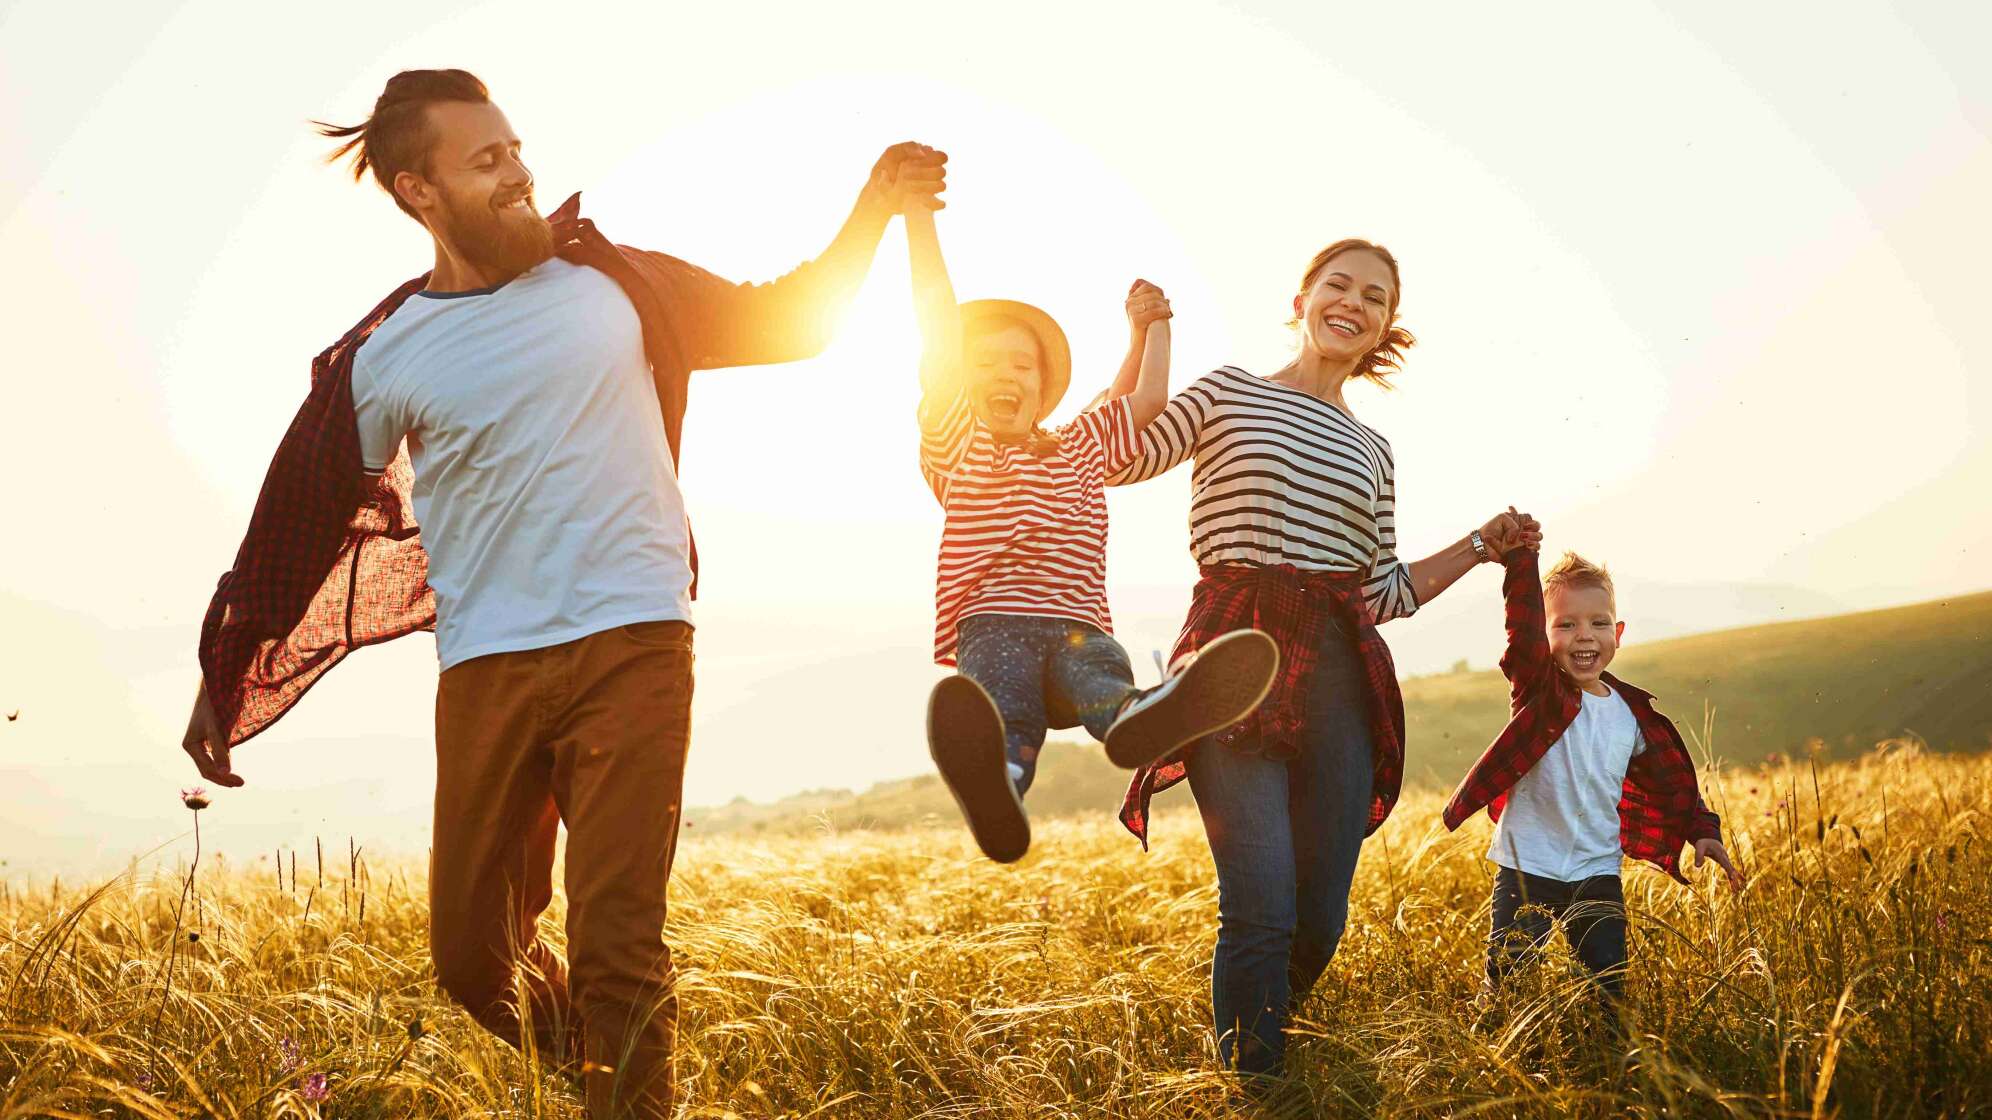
792,318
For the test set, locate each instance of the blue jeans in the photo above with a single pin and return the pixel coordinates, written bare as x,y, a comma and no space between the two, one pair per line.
1284,834
1043,672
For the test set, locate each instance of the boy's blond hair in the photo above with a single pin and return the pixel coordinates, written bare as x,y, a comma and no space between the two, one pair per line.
1573,571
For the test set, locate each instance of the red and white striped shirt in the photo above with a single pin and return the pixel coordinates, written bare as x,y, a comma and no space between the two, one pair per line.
1024,534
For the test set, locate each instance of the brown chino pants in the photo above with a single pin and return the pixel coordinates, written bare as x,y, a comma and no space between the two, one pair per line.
592,733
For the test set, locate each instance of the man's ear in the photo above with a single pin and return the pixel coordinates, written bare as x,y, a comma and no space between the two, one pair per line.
414,190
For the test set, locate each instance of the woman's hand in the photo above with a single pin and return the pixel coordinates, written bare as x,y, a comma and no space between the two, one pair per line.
1146,304
1510,530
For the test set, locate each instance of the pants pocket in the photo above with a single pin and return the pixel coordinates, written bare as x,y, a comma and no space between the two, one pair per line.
669,634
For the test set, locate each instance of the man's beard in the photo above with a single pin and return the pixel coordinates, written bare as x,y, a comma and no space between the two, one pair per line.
502,244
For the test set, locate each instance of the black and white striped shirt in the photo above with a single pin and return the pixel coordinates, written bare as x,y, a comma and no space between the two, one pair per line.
1281,477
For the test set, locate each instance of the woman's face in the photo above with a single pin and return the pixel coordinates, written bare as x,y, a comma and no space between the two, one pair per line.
1343,316
1006,379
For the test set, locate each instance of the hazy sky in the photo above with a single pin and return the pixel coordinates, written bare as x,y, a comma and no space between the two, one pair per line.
1694,283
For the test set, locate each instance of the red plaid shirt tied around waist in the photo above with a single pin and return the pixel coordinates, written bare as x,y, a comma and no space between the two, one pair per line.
1660,807
1294,606
333,561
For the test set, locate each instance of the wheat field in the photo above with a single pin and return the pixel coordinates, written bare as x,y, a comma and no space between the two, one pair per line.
894,974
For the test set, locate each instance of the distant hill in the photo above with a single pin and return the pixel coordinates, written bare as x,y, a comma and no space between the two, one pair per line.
1849,681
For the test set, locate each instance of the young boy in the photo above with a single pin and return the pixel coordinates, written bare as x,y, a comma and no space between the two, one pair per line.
1586,770
1020,600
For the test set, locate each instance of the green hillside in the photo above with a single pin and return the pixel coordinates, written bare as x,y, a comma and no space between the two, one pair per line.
1849,681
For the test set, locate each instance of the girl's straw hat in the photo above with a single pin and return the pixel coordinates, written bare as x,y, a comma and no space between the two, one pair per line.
1057,352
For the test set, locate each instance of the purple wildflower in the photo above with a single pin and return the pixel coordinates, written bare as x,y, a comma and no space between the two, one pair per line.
195,798
288,1057
315,1088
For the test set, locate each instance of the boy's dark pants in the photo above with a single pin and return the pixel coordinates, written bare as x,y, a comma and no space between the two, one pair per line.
1593,914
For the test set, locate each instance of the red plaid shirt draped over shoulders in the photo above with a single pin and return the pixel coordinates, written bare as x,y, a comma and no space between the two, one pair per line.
1293,606
1660,808
333,561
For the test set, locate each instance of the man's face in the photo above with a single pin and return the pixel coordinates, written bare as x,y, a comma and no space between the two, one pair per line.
1005,379
1584,632
478,195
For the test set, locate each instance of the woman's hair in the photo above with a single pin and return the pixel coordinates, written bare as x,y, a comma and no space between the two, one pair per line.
1573,571
397,136
1388,356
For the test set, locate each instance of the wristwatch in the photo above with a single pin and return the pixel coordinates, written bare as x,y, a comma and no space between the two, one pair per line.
1479,546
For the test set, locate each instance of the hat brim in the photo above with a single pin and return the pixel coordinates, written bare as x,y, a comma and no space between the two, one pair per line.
1057,372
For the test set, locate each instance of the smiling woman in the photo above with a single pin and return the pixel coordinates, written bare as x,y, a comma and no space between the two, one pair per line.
1367,330
1293,522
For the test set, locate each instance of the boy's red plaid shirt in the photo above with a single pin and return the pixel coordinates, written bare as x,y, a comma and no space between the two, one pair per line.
1660,808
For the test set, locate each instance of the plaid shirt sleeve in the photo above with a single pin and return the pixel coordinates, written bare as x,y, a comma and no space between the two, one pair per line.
331,559
1525,661
1536,703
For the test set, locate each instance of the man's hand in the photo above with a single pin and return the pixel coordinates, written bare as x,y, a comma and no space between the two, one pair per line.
1510,530
206,743
1146,304
910,175
1712,849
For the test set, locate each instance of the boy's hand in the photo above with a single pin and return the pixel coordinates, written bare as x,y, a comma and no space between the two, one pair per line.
1712,849
1146,304
910,175
1510,530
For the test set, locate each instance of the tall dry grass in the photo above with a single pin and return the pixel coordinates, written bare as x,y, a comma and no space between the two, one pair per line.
896,975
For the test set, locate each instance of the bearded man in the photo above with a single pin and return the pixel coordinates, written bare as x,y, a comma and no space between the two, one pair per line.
536,377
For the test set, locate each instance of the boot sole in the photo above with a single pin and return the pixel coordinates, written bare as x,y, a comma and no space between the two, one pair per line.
965,737
1228,680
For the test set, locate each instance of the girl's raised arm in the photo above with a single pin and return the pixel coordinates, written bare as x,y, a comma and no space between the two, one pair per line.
934,306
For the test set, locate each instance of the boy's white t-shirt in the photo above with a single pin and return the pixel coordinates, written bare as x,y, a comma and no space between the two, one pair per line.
548,502
1561,821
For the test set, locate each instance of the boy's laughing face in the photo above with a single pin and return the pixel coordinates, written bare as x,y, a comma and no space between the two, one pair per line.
1006,379
1584,633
